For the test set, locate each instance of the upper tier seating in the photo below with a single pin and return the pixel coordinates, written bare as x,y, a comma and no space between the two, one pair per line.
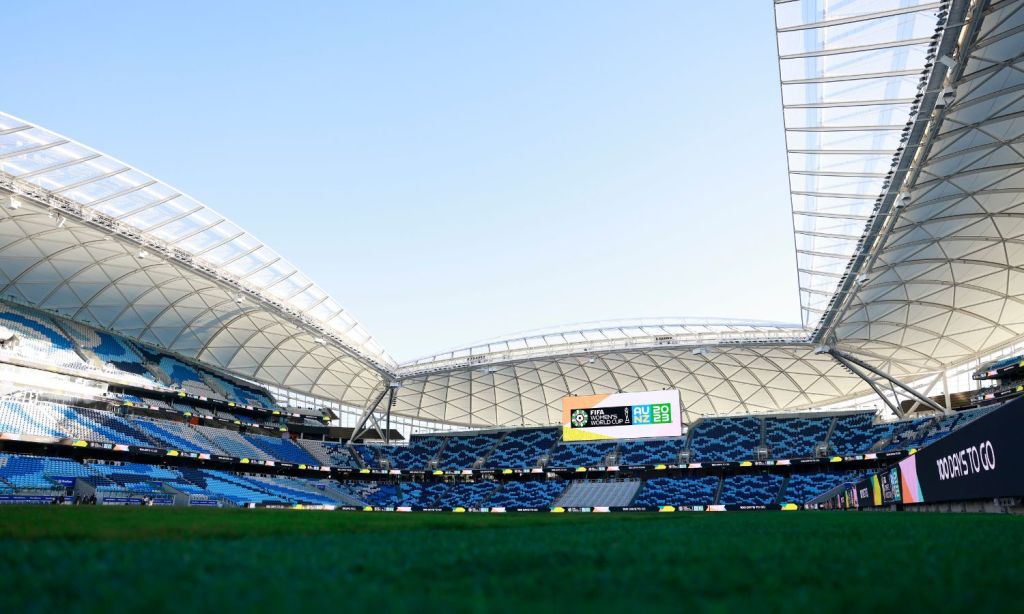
725,439
232,443
795,437
180,374
39,339
999,364
526,494
855,434
650,451
110,349
678,491
461,452
176,436
760,489
421,449
282,449
590,454
521,448
948,424
368,454
906,433
243,395
331,453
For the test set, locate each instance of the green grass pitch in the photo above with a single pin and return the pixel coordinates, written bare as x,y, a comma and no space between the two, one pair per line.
162,560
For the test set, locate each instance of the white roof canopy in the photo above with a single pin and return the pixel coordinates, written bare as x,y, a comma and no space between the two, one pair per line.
106,187
850,72
904,128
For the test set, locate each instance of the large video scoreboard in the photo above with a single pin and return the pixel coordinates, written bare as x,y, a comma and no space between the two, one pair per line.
626,415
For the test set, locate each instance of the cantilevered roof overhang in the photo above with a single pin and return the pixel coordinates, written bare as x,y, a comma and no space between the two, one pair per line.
941,279
721,367
88,236
904,136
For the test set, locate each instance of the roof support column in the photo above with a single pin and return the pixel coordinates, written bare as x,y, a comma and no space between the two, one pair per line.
874,386
368,416
858,367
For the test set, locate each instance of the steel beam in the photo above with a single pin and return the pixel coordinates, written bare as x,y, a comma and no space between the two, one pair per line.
848,360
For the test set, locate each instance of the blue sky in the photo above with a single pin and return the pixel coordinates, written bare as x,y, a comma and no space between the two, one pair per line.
450,171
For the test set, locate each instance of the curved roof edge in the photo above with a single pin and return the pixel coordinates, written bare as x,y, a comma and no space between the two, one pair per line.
608,336
102,189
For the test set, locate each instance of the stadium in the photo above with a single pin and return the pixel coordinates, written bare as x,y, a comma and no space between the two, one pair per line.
155,354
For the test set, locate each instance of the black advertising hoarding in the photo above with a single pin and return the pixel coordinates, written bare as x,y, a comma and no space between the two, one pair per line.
982,460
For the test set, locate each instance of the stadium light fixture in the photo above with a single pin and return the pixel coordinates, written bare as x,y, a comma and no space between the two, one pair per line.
945,98
142,254
60,221
701,351
822,349
863,279
15,203
239,298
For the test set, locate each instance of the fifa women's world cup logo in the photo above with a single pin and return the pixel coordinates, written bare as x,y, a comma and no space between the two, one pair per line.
579,418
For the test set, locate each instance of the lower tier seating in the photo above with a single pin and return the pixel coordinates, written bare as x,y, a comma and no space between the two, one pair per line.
678,491
603,493
526,494
802,487
760,489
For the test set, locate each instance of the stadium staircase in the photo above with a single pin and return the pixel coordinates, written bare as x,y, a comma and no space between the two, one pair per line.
150,365
828,435
482,462
433,462
88,356
335,492
216,386
718,491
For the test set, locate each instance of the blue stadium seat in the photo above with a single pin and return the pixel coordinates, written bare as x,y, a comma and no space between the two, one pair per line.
421,449
111,349
591,454
855,434
802,487
795,437
677,491
378,494
761,489
526,494
521,448
279,448
725,439
462,451
650,451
